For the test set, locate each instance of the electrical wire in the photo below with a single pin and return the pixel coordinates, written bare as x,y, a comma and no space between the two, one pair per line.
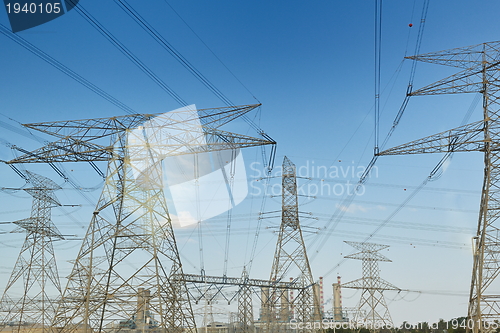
431,176
259,225
64,69
125,51
339,213
210,50
170,49
150,30
180,58
378,53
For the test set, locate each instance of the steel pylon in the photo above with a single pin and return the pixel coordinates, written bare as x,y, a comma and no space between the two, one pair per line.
28,303
245,306
129,250
290,258
480,74
372,311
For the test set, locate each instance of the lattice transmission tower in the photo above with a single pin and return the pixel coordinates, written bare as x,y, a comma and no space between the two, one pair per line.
290,258
245,306
28,303
372,309
129,249
480,74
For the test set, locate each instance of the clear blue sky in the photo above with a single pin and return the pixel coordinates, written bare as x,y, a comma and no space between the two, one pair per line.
311,65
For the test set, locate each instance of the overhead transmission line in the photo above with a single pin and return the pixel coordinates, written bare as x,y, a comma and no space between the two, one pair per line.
378,53
171,50
470,211
406,99
150,30
432,175
340,211
125,51
209,49
64,69
219,229
163,42
258,227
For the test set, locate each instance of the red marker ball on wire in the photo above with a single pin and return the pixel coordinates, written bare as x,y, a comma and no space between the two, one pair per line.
410,25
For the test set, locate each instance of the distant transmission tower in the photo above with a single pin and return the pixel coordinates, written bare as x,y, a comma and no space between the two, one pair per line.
290,255
480,74
28,303
245,306
372,309
130,250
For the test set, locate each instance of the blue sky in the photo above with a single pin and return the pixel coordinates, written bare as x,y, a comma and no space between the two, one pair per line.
311,66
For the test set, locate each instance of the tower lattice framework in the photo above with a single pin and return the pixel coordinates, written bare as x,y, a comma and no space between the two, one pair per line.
480,73
290,257
29,301
372,309
129,249
245,306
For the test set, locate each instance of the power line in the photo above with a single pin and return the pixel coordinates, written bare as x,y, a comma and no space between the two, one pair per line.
150,30
170,49
124,50
64,69
209,49
339,213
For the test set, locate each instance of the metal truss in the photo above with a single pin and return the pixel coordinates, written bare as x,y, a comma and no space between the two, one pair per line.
480,74
208,288
130,223
35,274
372,309
290,257
245,306
234,281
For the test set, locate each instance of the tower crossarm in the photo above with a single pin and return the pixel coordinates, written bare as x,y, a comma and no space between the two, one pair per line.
461,139
462,57
70,150
66,150
466,81
367,247
96,128
220,116
369,256
221,140
234,281
372,283
89,129
39,226
481,74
